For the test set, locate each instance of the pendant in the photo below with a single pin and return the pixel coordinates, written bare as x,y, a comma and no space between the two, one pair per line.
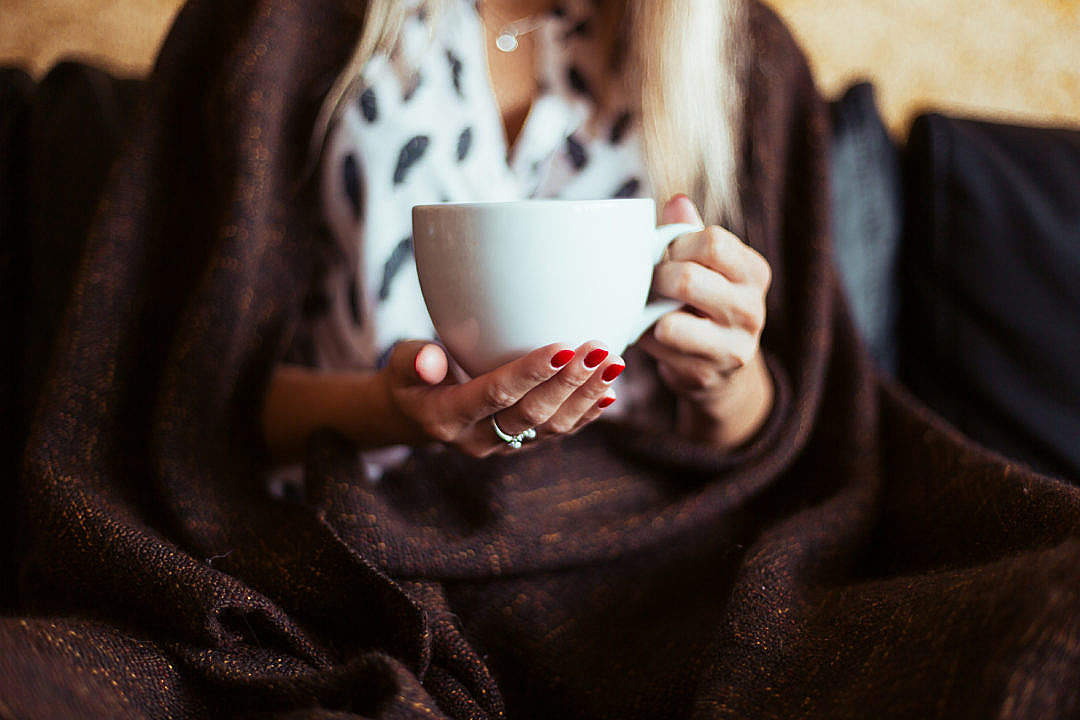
507,41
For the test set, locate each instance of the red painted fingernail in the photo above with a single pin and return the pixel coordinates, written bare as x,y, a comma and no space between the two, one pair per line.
561,358
605,402
595,357
612,371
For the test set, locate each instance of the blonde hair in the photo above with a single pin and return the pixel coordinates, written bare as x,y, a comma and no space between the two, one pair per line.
683,58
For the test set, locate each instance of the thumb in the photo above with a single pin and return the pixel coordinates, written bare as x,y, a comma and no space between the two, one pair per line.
680,209
415,362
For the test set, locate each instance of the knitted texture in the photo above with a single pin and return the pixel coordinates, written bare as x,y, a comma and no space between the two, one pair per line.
858,559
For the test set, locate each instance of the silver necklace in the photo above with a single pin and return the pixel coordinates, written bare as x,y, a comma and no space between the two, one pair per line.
507,37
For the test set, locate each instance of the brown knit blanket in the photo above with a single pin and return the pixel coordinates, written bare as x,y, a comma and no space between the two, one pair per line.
859,559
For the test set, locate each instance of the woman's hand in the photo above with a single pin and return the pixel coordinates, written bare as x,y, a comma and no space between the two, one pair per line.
554,390
708,352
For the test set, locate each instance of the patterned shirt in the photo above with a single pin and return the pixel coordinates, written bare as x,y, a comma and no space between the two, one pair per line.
427,128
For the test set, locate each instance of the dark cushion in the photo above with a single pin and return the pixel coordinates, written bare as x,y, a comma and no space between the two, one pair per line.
991,283
867,203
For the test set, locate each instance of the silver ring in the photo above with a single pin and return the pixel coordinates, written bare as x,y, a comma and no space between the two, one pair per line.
513,441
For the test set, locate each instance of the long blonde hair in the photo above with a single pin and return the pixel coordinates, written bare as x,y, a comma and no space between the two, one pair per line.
685,60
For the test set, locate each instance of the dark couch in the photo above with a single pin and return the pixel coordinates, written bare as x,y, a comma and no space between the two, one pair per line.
961,256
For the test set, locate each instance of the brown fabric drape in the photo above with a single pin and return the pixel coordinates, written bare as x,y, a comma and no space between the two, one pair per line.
859,559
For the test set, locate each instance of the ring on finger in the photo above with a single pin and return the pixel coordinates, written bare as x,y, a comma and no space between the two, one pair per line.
514,441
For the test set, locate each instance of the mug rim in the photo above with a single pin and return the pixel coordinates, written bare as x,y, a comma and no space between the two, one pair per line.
532,202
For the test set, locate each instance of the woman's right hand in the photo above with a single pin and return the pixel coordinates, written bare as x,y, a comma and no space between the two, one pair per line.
555,390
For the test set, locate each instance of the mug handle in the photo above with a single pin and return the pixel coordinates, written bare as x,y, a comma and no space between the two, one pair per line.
662,237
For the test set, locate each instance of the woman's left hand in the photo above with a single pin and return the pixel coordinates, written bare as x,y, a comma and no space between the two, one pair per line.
708,352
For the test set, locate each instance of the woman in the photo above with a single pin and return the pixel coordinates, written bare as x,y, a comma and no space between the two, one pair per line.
582,67
833,550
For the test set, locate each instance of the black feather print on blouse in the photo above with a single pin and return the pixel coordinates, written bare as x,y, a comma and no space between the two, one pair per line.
619,128
401,255
369,108
628,189
414,149
464,142
351,177
353,291
576,151
455,71
577,81
581,28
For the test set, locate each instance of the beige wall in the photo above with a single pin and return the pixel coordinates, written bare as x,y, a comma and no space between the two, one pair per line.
123,33
1005,58
1015,58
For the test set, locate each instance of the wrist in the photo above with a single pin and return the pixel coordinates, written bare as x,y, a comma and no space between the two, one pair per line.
359,405
380,421
732,416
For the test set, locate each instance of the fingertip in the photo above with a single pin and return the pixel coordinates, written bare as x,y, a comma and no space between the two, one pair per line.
680,208
431,364
613,370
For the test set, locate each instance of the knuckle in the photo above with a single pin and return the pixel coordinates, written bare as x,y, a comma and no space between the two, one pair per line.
495,395
742,317
573,379
758,317
701,376
441,431
594,390
739,358
686,281
664,330
534,414
716,234
749,350
765,273
717,243
537,374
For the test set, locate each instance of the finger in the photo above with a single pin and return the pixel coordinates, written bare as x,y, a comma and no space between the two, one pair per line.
595,411
566,416
680,209
689,334
711,293
415,362
688,372
721,250
504,386
543,401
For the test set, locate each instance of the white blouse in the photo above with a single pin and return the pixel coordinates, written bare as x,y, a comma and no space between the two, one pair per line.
425,128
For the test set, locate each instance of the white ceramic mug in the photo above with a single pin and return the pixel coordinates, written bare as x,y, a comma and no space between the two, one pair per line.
503,278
